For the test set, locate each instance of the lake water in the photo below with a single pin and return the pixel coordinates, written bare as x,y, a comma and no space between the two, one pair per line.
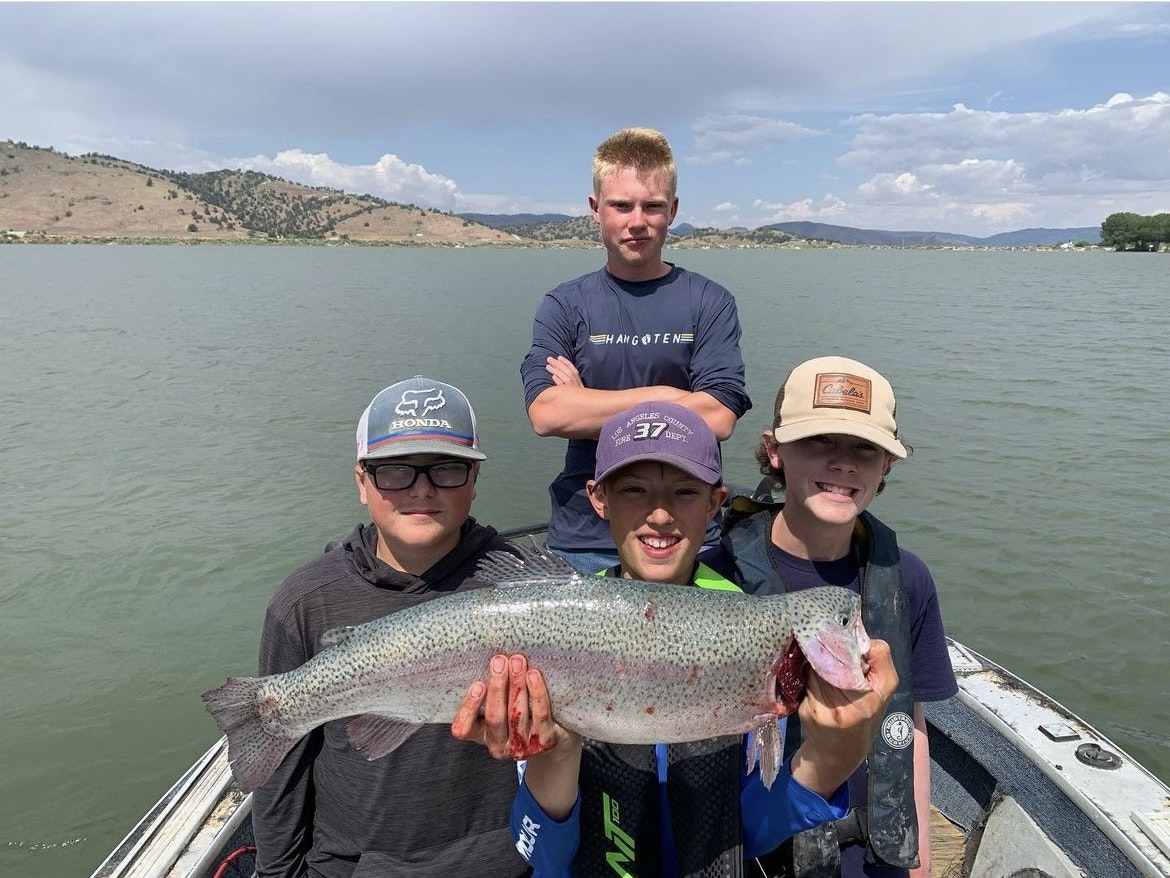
178,436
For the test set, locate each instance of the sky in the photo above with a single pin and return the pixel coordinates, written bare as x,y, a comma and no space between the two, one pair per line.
973,118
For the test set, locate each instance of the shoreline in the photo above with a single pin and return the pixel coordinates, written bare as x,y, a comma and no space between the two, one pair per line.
522,244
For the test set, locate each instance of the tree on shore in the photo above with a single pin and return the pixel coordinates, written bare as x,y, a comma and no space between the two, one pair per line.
1132,231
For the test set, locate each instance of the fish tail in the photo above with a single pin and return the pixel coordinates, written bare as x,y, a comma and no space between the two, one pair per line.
254,748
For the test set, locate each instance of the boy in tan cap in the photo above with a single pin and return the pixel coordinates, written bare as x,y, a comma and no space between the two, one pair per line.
832,442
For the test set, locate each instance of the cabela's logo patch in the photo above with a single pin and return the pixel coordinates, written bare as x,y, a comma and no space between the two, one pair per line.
898,730
839,390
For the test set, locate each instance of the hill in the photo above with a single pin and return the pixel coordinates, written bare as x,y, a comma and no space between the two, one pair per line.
48,195
1040,237
514,220
874,237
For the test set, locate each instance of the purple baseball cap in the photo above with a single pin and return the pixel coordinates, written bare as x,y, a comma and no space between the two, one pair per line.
661,431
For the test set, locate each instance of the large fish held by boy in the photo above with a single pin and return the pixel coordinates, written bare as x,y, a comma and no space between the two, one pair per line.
625,661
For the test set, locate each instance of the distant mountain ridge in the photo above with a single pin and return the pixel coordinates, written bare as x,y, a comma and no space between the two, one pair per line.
508,220
1019,238
1037,237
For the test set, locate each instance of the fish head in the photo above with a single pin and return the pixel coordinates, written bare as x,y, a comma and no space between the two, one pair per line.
828,628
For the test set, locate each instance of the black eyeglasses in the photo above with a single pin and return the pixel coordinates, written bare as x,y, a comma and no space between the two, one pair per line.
400,476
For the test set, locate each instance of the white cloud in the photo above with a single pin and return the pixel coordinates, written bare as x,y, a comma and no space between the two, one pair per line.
830,209
1071,166
729,139
489,202
1122,139
725,207
389,177
973,178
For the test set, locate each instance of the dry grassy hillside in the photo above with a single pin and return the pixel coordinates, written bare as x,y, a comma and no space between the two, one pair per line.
43,192
47,195
420,226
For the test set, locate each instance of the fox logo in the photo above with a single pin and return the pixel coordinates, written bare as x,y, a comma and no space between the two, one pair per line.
417,403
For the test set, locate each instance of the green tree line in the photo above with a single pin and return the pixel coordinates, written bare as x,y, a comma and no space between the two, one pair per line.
1132,231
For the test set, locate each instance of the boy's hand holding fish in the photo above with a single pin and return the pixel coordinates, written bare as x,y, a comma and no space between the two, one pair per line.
511,715
839,725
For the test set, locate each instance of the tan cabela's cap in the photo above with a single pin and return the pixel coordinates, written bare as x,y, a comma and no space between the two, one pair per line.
837,395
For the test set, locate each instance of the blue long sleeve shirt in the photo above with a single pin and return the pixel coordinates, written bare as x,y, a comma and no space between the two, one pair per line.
768,818
681,330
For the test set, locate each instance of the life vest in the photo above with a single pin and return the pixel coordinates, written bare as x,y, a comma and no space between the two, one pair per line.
887,825
622,801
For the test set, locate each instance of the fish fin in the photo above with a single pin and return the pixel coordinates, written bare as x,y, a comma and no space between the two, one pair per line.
766,745
334,636
254,750
374,735
523,564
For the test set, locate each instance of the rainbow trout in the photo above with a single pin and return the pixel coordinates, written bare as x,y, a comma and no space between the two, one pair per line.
625,661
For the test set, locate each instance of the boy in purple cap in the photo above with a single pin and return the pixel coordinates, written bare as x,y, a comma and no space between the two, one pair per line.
328,811
586,807
658,482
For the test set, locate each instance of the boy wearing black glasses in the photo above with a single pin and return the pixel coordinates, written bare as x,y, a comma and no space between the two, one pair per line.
327,810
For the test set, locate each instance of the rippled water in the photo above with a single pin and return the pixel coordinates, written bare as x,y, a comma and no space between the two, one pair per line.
178,435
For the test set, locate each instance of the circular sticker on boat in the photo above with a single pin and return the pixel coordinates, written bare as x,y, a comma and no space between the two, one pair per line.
898,730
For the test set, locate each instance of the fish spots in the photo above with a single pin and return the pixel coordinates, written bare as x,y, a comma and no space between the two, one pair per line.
268,706
613,648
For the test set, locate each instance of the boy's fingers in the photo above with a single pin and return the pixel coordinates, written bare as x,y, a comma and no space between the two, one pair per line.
464,726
